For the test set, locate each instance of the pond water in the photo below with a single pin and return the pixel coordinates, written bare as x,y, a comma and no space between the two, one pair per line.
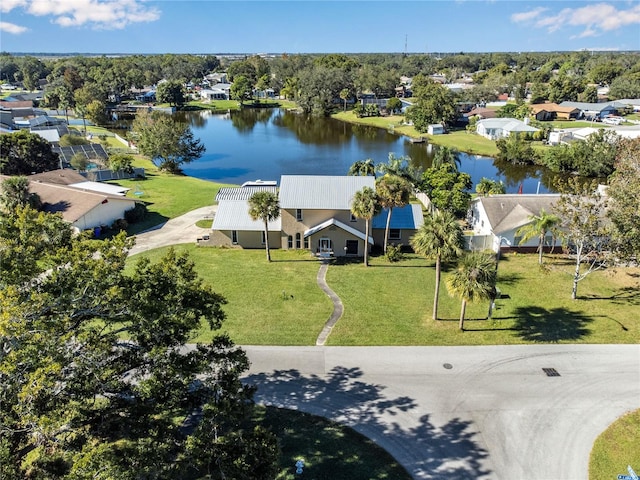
265,143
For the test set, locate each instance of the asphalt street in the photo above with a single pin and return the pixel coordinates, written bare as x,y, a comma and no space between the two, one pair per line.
488,412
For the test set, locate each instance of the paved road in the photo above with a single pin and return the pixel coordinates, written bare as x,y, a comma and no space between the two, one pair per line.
462,412
181,229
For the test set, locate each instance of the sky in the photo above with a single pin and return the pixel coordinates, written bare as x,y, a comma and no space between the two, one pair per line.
307,26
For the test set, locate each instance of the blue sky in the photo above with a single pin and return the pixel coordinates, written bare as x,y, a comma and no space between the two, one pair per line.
306,26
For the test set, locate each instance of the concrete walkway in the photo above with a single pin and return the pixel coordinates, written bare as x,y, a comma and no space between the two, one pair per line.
181,229
338,308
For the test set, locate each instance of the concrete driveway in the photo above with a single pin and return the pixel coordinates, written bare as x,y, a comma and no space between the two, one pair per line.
181,229
462,412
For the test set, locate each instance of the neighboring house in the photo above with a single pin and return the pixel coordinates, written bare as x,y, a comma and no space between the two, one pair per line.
84,210
214,78
495,128
551,111
91,151
315,215
221,91
496,219
51,135
481,113
45,121
592,111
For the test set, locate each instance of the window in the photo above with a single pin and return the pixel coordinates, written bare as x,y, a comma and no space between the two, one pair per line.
394,234
234,237
264,237
289,241
354,218
298,240
306,243
299,214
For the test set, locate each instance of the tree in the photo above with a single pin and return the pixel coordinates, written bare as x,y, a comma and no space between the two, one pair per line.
241,89
70,139
446,155
624,204
394,104
14,193
401,167
106,387
365,205
474,279
169,143
439,238
344,95
95,111
121,162
434,104
24,153
539,226
79,161
515,149
447,189
365,168
392,191
487,186
582,210
171,92
264,206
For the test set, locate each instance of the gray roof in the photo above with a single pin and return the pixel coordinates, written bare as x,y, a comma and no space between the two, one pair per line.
321,192
409,217
333,222
508,124
234,215
506,212
594,107
243,193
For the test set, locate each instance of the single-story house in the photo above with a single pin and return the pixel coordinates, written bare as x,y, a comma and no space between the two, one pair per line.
592,111
221,91
495,220
315,215
481,113
84,210
495,128
552,111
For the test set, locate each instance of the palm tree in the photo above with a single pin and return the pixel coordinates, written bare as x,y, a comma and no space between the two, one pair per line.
363,168
446,155
538,227
483,187
344,95
401,167
439,238
392,191
264,205
474,279
365,205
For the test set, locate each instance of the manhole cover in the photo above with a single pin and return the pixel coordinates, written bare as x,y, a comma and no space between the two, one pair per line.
448,366
551,372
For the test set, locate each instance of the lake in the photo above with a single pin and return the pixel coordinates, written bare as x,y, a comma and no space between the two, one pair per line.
265,143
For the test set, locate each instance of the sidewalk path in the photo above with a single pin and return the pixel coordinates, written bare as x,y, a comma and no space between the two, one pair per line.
338,308
181,229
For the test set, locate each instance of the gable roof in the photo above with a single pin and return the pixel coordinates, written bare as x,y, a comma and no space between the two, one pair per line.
592,107
318,192
66,176
509,211
408,217
508,124
339,224
233,209
551,107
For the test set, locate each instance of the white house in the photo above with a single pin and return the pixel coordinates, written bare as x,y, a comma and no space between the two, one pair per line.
221,91
495,128
495,220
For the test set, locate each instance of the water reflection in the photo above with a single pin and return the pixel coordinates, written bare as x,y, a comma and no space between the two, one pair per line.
266,143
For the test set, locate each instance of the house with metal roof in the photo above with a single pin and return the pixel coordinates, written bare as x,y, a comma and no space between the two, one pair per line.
495,128
315,215
495,220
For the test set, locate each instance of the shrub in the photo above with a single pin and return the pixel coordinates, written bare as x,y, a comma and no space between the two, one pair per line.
120,224
136,214
394,253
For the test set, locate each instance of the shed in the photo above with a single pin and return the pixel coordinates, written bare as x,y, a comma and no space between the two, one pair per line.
435,129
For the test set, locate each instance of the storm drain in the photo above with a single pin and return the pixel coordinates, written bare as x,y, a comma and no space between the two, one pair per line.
551,372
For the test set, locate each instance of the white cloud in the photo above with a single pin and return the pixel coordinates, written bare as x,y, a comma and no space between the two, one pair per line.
12,28
594,19
8,5
100,14
527,16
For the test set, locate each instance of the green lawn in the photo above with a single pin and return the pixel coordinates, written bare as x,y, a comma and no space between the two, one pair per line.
616,448
459,139
329,450
390,304
167,195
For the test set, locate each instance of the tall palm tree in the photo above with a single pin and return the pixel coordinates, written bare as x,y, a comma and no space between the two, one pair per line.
363,168
365,205
439,238
392,191
264,206
539,226
446,155
474,279
401,167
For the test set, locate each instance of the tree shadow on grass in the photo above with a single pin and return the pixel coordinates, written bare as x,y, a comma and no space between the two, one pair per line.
426,450
537,324
625,295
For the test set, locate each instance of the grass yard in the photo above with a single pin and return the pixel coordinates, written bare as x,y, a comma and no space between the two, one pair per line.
167,195
459,139
390,304
616,448
328,449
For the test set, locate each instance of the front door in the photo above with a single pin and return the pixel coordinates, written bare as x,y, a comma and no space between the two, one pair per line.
352,247
325,245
